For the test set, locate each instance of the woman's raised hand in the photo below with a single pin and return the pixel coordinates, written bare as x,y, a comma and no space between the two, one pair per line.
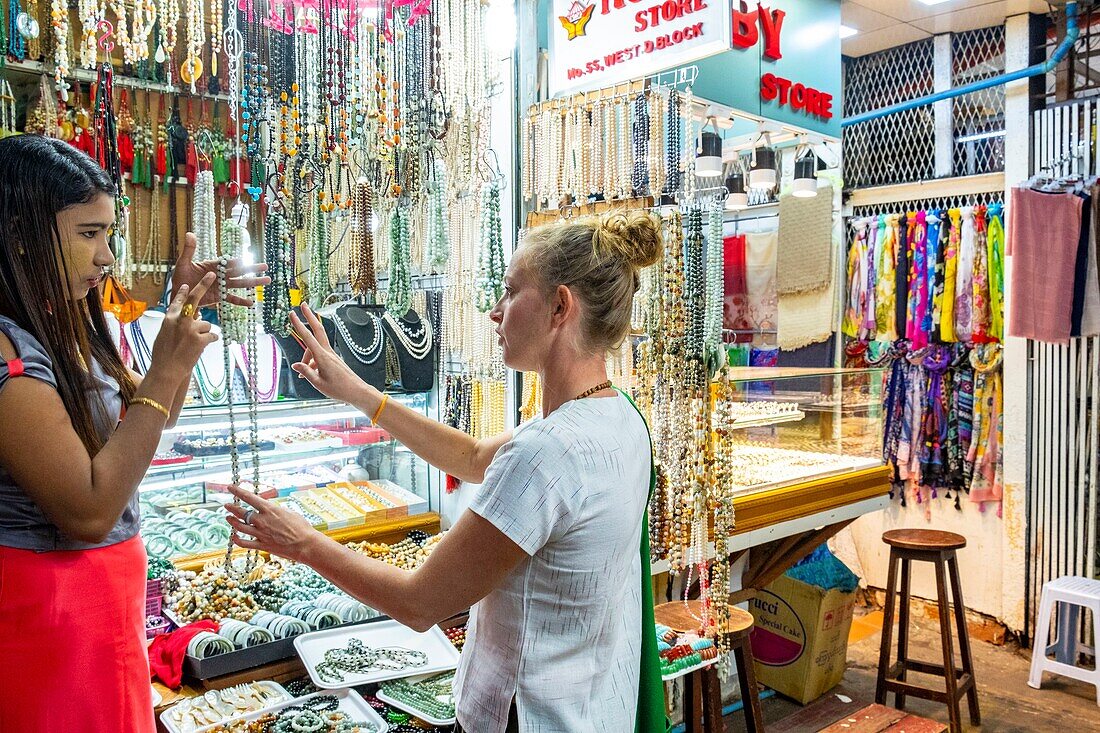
183,335
321,365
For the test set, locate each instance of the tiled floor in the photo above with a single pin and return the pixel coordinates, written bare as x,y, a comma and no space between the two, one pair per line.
1008,705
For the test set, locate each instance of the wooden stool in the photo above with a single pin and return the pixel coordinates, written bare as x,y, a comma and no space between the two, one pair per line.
702,690
926,545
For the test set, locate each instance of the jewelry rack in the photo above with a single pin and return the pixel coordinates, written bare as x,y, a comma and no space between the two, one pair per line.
86,76
664,80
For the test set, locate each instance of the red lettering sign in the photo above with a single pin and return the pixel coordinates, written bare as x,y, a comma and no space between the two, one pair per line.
745,34
798,97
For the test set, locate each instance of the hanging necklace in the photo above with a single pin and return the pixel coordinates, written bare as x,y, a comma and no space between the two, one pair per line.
59,21
141,29
268,393
203,222
490,282
276,308
361,258
438,246
399,296
210,376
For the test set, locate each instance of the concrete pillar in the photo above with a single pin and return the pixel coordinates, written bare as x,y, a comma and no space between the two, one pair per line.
944,110
1018,108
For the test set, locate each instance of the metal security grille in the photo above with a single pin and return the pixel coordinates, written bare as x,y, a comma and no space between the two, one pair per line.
1063,397
947,202
978,124
1078,75
898,148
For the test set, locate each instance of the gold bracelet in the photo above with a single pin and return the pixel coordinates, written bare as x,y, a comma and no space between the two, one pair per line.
378,412
152,403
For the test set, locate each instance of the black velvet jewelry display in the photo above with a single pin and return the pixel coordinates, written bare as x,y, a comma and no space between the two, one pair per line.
414,374
359,323
289,383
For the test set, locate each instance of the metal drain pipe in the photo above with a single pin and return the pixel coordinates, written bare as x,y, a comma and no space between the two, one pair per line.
1072,31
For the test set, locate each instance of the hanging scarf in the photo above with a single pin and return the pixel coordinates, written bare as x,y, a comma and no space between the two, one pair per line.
964,278
985,451
918,281
995,254
886,280
980,313
934,420
909,443
874,237
951,262
931,257
959,421
941,272
897,388
857,281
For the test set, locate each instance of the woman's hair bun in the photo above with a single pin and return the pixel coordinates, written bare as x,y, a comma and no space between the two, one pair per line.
633,237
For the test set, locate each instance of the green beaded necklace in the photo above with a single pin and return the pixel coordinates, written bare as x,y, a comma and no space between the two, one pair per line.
490,259
399,297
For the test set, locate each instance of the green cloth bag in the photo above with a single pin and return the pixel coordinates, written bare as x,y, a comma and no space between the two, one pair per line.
651,716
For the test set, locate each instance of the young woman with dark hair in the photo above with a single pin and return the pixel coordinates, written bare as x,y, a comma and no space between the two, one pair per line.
72,567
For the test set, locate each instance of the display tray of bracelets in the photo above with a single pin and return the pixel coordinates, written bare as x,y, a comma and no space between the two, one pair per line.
399,705
259,611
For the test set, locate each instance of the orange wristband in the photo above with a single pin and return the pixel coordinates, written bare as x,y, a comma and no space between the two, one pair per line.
378,412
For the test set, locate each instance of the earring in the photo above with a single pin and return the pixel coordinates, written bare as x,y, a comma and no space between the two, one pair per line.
22,251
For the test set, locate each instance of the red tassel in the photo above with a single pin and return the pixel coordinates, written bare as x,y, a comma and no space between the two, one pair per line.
192,163
125,152
452,484
162,160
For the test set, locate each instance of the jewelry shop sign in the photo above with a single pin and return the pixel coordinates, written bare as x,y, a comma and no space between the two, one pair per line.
598,43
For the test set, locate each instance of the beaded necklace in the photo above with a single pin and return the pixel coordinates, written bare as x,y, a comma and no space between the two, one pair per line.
673,144
361,258
319,288
640,138
17,44
399,296
212,379
276,303
59,21
203,221
490,282
438,244
715,293
252,556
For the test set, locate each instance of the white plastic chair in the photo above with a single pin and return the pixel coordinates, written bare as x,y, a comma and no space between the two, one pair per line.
1074,592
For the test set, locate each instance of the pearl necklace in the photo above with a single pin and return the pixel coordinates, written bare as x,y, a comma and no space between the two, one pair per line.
203,222
363,354
418,344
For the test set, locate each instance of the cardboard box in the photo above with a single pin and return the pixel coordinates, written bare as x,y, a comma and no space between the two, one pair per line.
800,639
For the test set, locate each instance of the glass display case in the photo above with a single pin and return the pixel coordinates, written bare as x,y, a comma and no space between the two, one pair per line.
318,457
790,426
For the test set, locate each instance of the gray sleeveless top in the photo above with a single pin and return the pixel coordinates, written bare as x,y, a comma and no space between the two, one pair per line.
22,523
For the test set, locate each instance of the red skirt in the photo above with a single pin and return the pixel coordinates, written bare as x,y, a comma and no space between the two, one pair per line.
72,641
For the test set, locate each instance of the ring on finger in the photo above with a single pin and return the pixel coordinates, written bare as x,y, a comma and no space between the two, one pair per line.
188,310
248,516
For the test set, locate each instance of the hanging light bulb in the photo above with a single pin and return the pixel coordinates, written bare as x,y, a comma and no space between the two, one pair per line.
736,198
763,173
805,177
708,162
